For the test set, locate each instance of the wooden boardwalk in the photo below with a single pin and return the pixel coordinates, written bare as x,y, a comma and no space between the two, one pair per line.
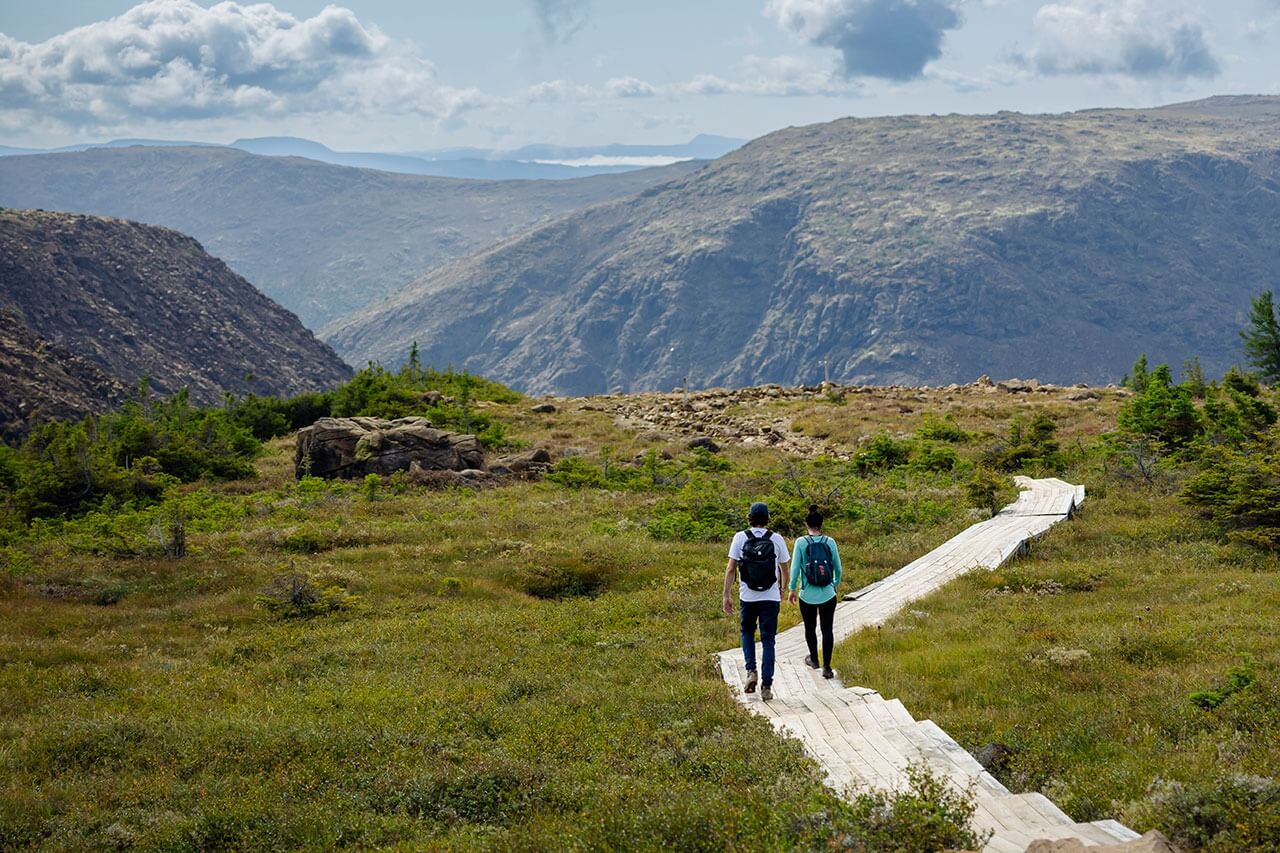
862,739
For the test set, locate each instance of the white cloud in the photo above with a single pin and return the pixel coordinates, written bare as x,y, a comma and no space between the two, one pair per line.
173,59
1135,38
558,91
629,87
891,39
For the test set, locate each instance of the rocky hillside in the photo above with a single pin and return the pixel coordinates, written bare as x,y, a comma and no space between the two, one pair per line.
43,380
322,240
92,305
912,249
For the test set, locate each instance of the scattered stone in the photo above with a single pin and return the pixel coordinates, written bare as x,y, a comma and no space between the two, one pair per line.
705,443
352,448
439,479
652,436
1152,842
1081,396
529,464
984,381
994,757
1018,386
544,409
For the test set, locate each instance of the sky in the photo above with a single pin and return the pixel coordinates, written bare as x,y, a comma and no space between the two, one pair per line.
407,75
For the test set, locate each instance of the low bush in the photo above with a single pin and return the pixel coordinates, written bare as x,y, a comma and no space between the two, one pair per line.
292,595
929,815
935,428
1239,491
1224,815
989,490
702,511
1239,677
882,452
1030,445
564,579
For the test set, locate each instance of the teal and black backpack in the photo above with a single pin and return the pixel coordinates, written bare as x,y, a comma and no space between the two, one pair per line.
819,566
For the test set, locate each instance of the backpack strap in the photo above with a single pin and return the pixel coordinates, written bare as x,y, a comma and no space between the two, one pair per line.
750,536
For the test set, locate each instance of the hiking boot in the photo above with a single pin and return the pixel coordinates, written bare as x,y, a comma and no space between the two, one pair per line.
810,662
766,693
751,682
827,673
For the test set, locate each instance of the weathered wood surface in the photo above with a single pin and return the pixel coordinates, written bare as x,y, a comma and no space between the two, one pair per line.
862,740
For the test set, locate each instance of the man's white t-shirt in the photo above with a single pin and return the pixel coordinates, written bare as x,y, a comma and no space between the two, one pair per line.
746,593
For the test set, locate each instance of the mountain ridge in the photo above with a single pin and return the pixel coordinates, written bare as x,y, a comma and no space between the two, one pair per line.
93,305
321,240
910,249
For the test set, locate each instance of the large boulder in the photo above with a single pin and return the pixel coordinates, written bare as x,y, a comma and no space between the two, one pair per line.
355,447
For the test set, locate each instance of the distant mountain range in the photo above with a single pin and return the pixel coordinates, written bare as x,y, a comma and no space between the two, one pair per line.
322,240
908,249
532,162
89,306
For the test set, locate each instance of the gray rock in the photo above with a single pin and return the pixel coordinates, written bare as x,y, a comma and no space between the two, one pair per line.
705,443
544,409
355,447
994,756
1152,842
433,478
529,463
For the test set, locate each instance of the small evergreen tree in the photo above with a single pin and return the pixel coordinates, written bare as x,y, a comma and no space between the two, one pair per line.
1162,412
1262,338
1137,377
1193,378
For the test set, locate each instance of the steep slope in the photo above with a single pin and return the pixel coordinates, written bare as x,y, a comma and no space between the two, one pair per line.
43,380
321,240
920,249
90,303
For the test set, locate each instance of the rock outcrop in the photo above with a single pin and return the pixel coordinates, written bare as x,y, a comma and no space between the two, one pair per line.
118,301
355,447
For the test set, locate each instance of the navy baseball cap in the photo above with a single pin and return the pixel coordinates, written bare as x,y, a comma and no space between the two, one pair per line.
758,511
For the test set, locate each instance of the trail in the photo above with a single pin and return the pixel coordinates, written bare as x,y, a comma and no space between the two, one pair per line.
862,739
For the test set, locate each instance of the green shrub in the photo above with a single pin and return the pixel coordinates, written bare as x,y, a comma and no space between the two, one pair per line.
291,595
935,428
700,512
1239,490
1030,445
1217,816
882,452
1162,412
1234,412
989,490
1239,677
575,472
927,456
564,580
929,815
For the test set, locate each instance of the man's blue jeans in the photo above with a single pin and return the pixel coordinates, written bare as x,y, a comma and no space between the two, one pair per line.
765,613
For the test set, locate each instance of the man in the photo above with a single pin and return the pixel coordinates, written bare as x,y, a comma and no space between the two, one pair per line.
758,558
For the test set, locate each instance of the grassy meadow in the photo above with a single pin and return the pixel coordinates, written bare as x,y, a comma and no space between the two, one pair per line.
530,666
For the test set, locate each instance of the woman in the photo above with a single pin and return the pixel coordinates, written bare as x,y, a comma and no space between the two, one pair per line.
815,569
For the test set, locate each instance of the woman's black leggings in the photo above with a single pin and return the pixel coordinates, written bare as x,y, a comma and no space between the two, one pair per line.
811,613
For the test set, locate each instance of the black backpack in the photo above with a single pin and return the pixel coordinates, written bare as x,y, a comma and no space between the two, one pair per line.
819,567
758,567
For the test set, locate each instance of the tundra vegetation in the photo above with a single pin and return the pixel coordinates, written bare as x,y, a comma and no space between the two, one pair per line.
199,650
